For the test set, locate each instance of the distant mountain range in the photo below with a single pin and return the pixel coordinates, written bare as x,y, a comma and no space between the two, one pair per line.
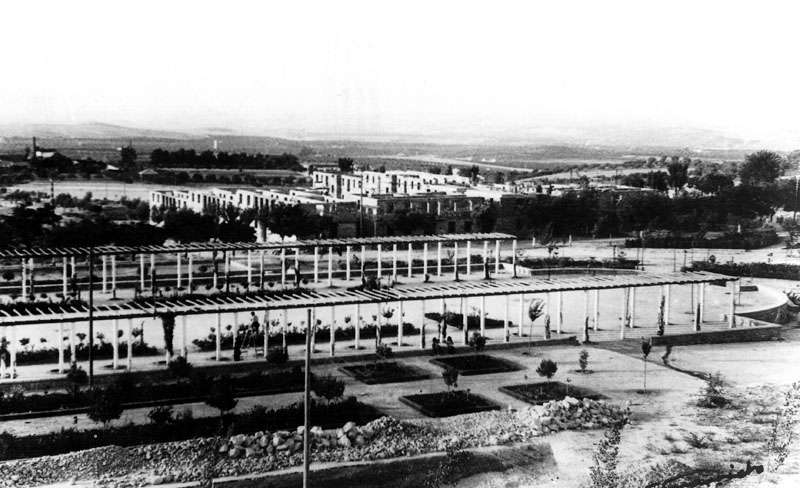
91,130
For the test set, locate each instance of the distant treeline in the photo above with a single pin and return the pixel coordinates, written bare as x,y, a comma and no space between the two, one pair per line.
749,240
188,158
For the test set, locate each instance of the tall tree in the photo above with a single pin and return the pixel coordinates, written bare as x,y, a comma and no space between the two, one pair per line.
761,168
678,174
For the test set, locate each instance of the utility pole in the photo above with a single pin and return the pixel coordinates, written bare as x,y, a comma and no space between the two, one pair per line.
796,185
307,405
91,317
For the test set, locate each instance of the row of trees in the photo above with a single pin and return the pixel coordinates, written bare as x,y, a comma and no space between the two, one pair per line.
189,158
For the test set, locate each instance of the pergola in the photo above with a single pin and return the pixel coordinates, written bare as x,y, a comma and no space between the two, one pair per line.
595,280
108,254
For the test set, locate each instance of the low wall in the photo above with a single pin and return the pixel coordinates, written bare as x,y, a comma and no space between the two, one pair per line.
745,334
776,312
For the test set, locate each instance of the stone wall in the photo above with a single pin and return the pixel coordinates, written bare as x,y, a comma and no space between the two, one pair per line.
746,334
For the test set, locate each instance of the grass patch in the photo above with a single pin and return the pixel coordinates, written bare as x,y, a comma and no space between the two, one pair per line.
476,364
384,372
541,393
448,403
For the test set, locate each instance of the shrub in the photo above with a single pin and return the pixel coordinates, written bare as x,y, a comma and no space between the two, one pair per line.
222,395
77,378
328,387
450,378
547,368
604,472
477,342
713,393
161,415
447,469
179,367
383,351
583,360
105,406
277,355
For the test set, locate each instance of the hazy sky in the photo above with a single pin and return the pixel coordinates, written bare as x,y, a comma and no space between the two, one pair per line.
380,66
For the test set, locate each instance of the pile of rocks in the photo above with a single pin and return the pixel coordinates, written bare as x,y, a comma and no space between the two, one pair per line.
573,414
284,442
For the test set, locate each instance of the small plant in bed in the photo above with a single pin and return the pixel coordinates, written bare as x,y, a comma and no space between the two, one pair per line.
475,364
384,372
450,402
541,393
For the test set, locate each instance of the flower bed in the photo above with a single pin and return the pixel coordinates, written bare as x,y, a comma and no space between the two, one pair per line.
541,393
476,364
448,403
256,419
384,372
133,395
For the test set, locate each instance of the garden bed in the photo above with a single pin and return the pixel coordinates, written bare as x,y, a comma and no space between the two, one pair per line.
384,372
541,393
476,364
447,404
326,415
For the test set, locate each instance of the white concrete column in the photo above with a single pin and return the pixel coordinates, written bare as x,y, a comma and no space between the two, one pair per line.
153,266
485,254
312,326
394,262
330,266
506,332
218,355
357,323
190,271
702,302
316,264
464,321
23,291
521,315
469,258
347,264
559,311
483,315
624,313
30,278
64,281
104,260
423,323
249,268
228,271
130,344
380,264
410,261
400,323
666,304
283,266
496,256
184,340
631,322
438,259
115,345
732,307
261,269
178,269
333,332
60,343
141,272
455,260
596,309
297,258
424,259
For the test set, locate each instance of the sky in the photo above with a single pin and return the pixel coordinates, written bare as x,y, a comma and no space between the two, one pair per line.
402,67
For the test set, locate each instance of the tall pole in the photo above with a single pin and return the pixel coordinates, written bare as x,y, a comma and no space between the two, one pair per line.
307,405
91,317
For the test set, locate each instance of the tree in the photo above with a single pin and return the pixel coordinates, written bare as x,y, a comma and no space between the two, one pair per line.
477,342
105,406
168,324
8,275
328,387
127,157
661,318
583,360
714,183
678,174
179,367
647,345
535,310
450,378
346,165
547,368
76,378
222,395
761,168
